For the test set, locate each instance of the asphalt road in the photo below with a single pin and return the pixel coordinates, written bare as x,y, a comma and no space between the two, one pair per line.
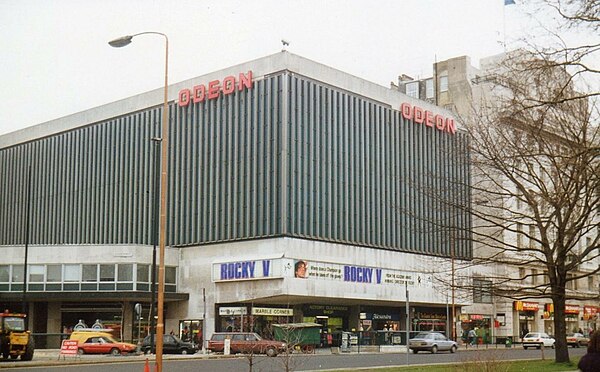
316,362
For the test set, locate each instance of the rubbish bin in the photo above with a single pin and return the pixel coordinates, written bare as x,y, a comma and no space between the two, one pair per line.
508,343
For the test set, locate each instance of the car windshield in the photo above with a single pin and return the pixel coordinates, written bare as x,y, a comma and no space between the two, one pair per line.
532,335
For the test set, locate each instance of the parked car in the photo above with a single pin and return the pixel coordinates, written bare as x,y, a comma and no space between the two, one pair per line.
538,339
577,339
95,342
171,345
245,342
432,342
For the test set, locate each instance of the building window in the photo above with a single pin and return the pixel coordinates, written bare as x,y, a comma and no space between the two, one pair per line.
54,273
4,273
90,273
170,275
531,236
519,235
429,92
143,273
125,272
412,89
443,83
482,291
17,274
36,273
534,279
521,274
107,273
72,273
591,286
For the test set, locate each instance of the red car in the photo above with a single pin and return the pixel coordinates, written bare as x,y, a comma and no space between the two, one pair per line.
245,342
101,343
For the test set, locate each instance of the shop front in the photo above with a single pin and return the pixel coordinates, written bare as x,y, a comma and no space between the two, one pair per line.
191,331
429,319
332,318
548,317
263,318
480,324
590,316
526,313
572,318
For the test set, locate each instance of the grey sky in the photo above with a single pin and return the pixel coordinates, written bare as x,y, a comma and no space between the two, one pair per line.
55,58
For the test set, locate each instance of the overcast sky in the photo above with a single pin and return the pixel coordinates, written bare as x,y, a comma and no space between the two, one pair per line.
55,59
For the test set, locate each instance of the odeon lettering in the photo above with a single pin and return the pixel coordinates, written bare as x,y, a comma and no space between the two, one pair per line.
201,93
420,116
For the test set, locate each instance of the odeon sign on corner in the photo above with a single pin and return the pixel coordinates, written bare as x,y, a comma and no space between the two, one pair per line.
200,93
420,116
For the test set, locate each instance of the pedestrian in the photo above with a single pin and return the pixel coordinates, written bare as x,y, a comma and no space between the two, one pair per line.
590,362
472,337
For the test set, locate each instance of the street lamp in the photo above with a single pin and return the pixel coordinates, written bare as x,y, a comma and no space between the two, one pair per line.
160,327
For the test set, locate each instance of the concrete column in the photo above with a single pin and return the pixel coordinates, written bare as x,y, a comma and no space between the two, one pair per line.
54,318
127,321
354,318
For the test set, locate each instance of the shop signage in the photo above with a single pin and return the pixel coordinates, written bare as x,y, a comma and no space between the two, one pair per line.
572,309
243,270
272,311
329,310
590,312
432,316
476,317
232,311
526,306
420,116
201,93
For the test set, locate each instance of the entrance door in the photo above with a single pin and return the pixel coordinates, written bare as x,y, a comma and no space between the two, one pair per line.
324,322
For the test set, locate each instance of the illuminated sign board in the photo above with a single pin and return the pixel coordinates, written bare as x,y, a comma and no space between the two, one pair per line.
427,118
215,88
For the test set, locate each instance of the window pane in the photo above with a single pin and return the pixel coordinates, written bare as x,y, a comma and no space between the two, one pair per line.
54,273
170,275
17,274
36,273
4,273
143,273
90,273
125,272
107,273
443,83
412,89
72,273
429,88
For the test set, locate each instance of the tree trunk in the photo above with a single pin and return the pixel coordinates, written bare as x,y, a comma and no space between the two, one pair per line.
560,325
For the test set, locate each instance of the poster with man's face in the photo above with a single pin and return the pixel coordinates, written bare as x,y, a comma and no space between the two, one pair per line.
300,269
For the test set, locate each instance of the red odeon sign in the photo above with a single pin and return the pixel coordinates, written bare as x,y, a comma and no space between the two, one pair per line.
420,116
201,93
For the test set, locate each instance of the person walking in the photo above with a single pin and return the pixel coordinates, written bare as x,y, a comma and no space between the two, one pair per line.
590,362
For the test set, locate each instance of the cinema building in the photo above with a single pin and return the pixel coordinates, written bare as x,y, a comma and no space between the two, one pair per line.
296,192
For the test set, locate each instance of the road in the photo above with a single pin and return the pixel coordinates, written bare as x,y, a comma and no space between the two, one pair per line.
314,362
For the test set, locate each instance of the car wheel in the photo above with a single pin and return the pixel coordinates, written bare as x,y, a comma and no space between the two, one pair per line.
114,351
271,352
579,344
553,346
453,349
184,351
525,347
539,346
415,351
434,349
80,351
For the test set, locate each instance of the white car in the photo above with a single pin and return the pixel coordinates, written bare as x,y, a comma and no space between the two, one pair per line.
432,342
538,339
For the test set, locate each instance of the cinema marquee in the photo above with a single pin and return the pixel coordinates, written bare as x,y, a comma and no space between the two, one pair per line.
201,93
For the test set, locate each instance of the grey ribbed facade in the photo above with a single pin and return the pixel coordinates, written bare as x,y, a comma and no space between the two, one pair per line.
289,157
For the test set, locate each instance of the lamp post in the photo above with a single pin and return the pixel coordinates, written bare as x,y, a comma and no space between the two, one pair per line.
160,326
